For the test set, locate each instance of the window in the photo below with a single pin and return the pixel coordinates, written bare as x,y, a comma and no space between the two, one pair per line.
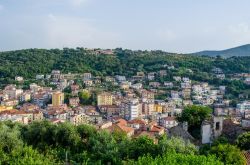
217,126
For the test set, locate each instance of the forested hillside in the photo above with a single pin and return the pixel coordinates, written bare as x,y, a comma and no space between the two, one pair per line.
30,62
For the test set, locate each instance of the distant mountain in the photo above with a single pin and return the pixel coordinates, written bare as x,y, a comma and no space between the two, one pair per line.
243,50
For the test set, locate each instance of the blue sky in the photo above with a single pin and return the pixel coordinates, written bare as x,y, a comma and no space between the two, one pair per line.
170,25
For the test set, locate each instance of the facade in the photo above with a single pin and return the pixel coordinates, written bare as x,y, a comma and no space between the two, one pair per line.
87,76
74,101
212,129
8,103
168,122
245,106
104,98
57,98
12,92
158,108
134,109
88,82
78,119
19,78
147,96
148,108
74,89
25,97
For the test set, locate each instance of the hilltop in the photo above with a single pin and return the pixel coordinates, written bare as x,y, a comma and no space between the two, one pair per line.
243,50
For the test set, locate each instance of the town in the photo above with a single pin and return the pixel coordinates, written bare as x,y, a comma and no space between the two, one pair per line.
137,106
93,82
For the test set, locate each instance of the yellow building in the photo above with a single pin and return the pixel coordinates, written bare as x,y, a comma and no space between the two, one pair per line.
104,99
57,98
5,108
158,108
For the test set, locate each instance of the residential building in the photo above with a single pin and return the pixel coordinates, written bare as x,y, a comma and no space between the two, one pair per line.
74,102
87,76
19,78
134,109
78,119
104,98
168,122
57,98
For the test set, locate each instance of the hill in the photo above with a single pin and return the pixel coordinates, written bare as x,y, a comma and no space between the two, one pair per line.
29,62
243,50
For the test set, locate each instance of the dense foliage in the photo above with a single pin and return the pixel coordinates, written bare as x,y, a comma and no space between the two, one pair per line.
225,152
30,62
46,143
243,141
194,115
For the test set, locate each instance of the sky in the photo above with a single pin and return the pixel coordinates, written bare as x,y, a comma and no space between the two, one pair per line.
182,26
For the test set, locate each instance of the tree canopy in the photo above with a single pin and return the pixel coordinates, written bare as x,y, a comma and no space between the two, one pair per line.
194,115
47,143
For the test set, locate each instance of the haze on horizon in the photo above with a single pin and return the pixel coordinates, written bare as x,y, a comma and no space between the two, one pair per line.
170,25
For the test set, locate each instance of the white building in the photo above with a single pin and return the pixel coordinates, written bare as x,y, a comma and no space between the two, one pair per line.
168,122
87,76
19,78
134,109
120,78
12,92
137,86
39,76
174,94
243,107
168,84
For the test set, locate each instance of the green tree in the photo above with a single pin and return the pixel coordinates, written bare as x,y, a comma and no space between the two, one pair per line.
243,141
176,144
142,145
228,154
176,159
194,115
84,97
103,147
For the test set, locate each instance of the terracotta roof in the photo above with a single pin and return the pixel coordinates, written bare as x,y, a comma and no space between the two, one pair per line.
8,112
91,111
13,112
168,118
125,128
108,106
55,120
137,121
54,112
152,123
144,133
121,122
20,112
121,127
156,129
